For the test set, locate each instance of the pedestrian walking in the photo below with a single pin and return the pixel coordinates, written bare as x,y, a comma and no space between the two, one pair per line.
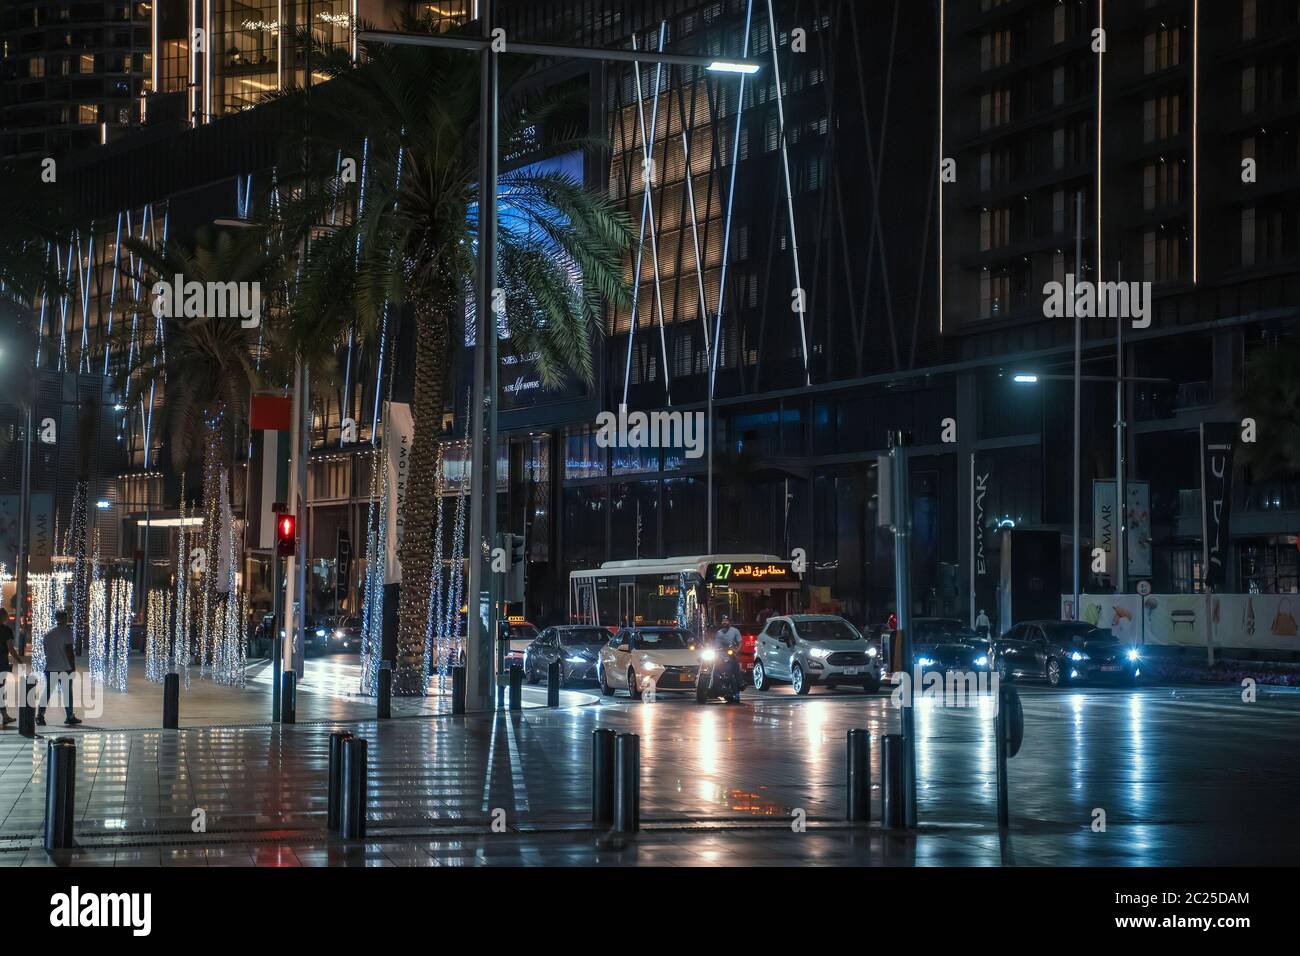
60,666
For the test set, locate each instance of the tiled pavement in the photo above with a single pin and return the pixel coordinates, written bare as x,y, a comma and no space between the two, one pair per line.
1185,776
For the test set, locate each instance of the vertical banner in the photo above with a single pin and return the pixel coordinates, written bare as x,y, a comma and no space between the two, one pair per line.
980,579
270,417
1138,523
399,429
1216,499
1105,523
342,564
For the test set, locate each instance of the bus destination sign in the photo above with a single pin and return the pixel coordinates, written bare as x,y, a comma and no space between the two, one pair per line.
756,572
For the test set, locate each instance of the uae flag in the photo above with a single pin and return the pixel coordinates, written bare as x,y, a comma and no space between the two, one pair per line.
269,421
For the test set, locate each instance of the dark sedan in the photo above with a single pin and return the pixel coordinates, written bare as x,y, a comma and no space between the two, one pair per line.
947,644
1062,652
576,647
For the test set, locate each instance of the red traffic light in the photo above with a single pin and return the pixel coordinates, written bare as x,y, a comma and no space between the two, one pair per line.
286,535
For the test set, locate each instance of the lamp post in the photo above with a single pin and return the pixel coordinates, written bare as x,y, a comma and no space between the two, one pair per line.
482,621
1120,380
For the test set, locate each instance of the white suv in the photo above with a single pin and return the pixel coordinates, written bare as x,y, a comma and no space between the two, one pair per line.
809,649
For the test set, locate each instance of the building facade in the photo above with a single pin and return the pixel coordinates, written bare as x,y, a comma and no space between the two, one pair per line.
855,239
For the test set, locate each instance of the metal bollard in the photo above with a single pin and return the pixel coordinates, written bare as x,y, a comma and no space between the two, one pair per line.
553,684
289,697
60,792
27,709
602,777
516,686
458,689
171,701
334,808
859,782
627,783
384,694
352,810
893,782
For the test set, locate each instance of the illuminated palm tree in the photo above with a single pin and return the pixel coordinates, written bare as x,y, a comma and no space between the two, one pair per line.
412,246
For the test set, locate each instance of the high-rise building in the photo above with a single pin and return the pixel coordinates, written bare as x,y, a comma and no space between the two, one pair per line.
73,73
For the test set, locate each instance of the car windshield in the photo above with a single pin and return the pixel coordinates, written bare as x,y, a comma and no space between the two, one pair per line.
1078,633
350,622
594,635
930,632
521,632
830,630
662,640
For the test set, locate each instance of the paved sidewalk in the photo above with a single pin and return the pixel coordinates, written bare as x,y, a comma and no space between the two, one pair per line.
1184,776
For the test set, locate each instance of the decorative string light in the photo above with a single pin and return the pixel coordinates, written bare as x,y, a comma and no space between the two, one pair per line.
157,642
372,610
436,589
453,645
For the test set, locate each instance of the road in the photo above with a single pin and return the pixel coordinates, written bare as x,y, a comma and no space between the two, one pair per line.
1183,776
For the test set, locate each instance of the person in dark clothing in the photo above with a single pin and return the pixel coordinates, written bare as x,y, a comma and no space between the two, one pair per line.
8,653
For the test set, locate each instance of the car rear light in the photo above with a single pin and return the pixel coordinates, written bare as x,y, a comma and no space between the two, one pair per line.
748,642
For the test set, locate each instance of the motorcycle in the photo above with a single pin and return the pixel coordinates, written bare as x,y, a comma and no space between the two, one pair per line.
718,676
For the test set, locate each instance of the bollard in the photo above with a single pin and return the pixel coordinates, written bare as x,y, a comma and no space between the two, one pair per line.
553,682
627,783
384,695
171,701
352,808
602,777
859,782
288,697
332,814
1001,728
60,792
27,710
458,689
893,782
516,686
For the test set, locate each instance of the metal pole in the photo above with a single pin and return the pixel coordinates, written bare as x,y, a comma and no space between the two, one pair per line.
1078,361
277,642
1121,490
1000,732
902,520
478,660
24,521
971,531
298,649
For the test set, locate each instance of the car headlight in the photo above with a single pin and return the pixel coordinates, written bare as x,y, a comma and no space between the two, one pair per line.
576,660
339,634
320,632
650,665
925,661
708,654
871,652
982,661
1133,654
820,653
1078,656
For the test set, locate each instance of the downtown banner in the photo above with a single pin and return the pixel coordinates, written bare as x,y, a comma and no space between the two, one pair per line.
1217,440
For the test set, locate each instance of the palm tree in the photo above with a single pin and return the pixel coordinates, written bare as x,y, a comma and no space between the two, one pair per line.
207,366
413,246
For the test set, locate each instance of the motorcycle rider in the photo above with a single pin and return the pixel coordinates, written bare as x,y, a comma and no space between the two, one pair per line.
726,636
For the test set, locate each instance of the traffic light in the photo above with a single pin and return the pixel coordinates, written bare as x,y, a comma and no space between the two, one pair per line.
514,585
286,535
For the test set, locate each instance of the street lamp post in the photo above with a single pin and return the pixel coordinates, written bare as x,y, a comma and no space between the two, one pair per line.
482,623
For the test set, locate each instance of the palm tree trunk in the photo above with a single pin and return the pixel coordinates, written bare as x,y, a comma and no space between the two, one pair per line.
421,500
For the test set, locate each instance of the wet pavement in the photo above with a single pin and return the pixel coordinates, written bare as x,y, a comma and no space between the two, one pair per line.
1183,776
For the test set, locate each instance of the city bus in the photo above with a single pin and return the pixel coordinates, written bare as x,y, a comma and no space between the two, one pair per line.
693,592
